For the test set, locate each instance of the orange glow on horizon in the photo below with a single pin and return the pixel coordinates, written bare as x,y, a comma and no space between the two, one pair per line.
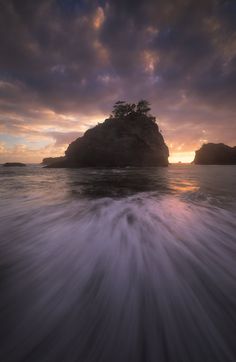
184,157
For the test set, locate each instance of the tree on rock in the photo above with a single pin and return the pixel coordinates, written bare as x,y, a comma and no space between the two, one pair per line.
143,107
131,136
122,109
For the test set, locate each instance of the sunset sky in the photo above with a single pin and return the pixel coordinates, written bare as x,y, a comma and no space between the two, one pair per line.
63,64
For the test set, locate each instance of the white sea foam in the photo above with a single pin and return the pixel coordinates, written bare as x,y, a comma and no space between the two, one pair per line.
122,276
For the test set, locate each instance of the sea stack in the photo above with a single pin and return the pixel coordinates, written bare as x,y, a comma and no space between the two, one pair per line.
215,154
130,137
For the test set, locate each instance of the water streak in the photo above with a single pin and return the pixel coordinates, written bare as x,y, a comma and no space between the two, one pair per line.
118,265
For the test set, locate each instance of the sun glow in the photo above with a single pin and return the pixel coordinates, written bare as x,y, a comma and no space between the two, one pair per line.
184,157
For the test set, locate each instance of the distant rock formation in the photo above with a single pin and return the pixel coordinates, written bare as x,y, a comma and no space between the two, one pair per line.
50,160
215,154
128,138
14,164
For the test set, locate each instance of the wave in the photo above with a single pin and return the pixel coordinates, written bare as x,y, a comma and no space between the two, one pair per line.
141,278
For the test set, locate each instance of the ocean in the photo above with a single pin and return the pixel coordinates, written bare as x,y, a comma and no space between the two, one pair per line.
118,265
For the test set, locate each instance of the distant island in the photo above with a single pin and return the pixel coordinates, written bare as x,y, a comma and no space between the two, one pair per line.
129,137
14,164
215,154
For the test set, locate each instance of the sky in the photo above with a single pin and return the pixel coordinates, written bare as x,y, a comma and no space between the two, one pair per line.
64,63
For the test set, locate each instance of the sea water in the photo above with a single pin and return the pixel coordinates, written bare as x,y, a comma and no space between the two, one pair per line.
118,265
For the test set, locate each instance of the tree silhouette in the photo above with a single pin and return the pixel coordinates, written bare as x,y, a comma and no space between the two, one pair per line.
143,107
122,109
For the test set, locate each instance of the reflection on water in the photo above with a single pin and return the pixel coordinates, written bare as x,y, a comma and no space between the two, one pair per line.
185,186
118,265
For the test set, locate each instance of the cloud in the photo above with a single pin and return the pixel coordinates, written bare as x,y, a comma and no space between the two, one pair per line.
64,63
22,153
63,139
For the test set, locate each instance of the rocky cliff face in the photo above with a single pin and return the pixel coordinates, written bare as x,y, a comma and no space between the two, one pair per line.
215,154
133,140
51,160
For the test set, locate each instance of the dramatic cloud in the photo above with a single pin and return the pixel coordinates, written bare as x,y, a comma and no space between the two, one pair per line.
64,63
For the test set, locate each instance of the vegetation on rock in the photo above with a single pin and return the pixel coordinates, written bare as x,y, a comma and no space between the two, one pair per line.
123,109
129,137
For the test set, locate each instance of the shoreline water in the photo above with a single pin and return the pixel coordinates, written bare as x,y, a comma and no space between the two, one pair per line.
118,265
